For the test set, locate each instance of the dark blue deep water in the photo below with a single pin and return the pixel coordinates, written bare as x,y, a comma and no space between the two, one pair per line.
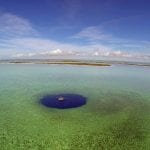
63,101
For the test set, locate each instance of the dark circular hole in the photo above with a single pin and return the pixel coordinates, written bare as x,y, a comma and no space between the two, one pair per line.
63,101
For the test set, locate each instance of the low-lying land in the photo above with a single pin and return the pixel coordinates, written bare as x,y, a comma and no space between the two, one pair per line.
61,62
74,62
78,63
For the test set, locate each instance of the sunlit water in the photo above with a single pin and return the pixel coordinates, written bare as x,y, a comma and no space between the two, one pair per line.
116,115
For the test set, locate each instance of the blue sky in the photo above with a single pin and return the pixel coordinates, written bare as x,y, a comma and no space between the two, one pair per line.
87,28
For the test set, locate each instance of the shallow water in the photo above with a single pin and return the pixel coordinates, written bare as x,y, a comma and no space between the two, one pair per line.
116,116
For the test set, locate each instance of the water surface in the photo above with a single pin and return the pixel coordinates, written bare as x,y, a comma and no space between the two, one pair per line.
117,115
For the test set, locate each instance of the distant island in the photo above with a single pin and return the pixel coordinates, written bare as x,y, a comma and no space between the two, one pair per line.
61,62
77,63
73,62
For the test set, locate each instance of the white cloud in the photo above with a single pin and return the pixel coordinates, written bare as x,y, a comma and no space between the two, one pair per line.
37,47
18,55
13,25
40,44
40,48
96,34
44,48
92,33
19,39
57,51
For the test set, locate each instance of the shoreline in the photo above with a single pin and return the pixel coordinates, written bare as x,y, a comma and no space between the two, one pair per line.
73,62
60,63
76,63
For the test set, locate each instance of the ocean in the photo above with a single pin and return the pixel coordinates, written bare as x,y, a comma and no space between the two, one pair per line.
116,115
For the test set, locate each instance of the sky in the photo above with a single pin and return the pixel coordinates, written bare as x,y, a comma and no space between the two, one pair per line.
95,29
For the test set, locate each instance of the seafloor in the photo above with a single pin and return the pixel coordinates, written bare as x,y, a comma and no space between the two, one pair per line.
115,117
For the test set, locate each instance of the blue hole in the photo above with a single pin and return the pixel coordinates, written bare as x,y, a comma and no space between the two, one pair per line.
63,101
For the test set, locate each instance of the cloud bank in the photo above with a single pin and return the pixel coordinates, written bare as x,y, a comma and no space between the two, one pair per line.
19,39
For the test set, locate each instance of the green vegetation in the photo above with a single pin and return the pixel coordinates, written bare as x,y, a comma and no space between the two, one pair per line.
60,62
78,63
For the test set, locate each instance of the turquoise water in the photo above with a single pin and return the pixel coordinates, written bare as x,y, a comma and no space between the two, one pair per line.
116,116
